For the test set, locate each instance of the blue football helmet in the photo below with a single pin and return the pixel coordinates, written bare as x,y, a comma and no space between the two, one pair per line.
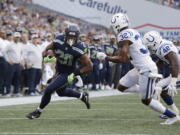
71,35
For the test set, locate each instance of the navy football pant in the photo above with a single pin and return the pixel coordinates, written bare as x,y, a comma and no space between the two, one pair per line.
95,76
3,74
13,77
60,86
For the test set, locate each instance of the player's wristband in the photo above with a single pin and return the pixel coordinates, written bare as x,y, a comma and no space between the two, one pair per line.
77,72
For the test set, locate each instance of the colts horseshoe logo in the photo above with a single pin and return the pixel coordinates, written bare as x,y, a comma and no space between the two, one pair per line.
150,40
113,20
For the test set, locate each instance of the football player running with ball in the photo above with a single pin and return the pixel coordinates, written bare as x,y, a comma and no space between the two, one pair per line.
67,51
145,71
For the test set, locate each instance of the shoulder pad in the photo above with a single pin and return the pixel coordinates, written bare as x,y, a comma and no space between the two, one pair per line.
60,37
125,35
165,49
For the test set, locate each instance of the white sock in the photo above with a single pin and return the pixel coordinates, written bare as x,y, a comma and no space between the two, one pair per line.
174,108
81,95
157,106
39,109
97,86
134,88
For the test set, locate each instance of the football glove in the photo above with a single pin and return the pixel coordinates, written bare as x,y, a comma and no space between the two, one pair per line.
157,93
70,78
47,59
101,56
171,88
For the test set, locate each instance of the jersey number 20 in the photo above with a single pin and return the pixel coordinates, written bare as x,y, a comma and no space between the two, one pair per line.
65,58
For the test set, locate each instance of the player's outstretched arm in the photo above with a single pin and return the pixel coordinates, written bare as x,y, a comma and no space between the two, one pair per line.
122,54
174,64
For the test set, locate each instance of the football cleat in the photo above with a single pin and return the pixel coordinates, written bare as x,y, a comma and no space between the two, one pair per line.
85,99
162,116
171,121
33,115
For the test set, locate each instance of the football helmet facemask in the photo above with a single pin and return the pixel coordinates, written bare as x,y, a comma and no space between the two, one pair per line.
71,35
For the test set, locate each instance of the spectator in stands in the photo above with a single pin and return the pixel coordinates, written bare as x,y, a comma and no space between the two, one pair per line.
3,63
97,65
113,66
13,56
28,22
33,64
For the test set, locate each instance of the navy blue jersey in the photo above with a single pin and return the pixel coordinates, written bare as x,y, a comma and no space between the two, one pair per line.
66,55
93,52
109,49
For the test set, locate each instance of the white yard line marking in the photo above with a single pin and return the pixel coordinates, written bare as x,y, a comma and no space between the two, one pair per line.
17,133
64,109
39,133
86,119
77,103
109,103
37,99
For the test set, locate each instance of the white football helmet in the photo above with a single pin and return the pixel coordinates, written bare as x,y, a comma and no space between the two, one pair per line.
152,40
119,21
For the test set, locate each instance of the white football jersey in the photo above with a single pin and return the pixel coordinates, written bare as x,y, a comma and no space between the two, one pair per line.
138,54
164,48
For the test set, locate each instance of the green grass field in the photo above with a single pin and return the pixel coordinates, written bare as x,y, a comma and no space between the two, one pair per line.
114,115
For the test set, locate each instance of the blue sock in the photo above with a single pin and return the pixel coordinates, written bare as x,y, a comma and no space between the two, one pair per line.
167,99
169,113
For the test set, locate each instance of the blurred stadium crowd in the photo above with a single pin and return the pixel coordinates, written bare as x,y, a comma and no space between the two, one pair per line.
24,34
170,3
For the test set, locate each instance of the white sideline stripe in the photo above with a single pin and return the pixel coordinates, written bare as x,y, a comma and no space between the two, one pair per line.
105,109
37,99
17,133
39,133
85,119
109,103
